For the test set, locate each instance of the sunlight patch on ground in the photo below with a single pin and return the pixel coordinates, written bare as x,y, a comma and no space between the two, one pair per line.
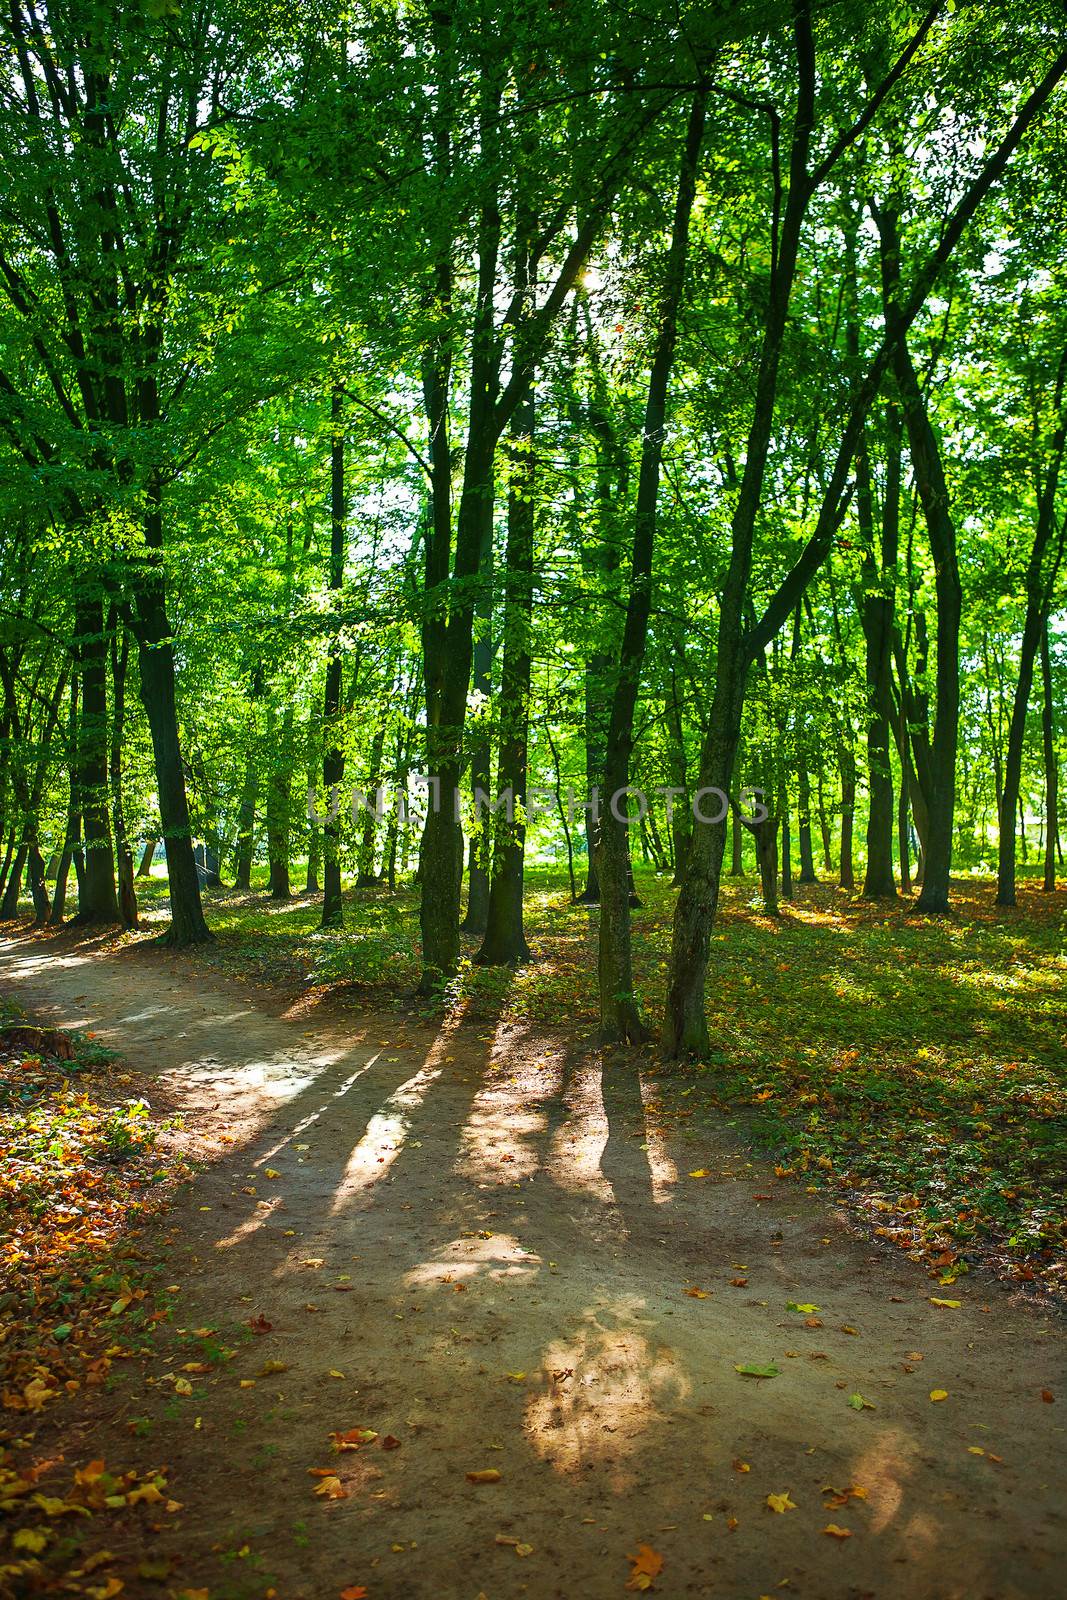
389,1126
606,1386
461,1260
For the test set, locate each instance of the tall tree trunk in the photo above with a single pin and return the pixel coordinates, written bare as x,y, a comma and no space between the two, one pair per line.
876,614
903,836
120,650
72,831
619,1015
156,661
787,856
144,869
97,899
365,875
1039,585
846,875
1048,746
480,847
505,938
807,856
333,758
279,810
934,497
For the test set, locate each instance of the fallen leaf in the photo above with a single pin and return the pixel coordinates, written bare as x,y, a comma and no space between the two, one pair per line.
858,1403
390,1442
697,1294
260,1324
780,1502
354,1591
484,1475
645,1566
332,1488
807,1310
748,1371
938,1394
741,1466
701,1172
954,1305
837,1533
1047,1396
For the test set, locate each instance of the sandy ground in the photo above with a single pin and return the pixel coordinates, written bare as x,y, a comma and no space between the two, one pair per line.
477,1244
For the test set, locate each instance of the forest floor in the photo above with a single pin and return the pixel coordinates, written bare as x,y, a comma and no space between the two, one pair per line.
417,1250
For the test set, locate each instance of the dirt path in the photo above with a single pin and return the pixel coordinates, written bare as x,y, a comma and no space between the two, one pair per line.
475,1245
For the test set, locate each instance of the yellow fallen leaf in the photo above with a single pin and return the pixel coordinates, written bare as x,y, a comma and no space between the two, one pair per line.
516,1377
270,1367
30,1539
332,1488
701,1172
938,1394
780,1502
269,1172
333,1373
837,1533
182,1386
953,1304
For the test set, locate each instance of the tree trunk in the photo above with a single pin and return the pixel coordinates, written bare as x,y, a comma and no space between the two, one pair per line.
934,498
505,938
619,1015
9,906
333,758
1048,745
876,613
156,660
787,857
807,857
97,899
737,850
365,875
123,849
279,811
846,876
144,870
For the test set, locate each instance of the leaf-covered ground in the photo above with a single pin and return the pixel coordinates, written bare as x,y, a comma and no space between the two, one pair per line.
917,1063
83,1164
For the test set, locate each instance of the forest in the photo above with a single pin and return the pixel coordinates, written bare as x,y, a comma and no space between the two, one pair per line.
553,519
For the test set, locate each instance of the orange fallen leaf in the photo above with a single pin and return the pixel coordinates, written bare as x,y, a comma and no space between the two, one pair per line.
390,1442
1047,1396
355,1591
837,1533
485,1475
645,1566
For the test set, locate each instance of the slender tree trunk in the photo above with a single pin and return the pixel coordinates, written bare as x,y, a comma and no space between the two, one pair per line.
480,846
1035,625
97,899
123,850
333,759
846,876
787,857
1048,745
144,870
934,498
737,850
156,661
72,831
365,875
903,837
619,1015
505,938
279,811
807,857
876,612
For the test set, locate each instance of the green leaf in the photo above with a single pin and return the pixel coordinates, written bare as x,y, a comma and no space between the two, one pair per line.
749,1371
